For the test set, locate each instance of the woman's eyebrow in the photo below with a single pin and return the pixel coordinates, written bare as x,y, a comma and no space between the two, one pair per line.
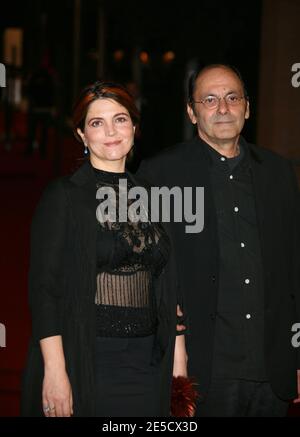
115,115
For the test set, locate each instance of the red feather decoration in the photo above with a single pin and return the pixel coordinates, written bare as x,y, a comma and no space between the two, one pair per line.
184,396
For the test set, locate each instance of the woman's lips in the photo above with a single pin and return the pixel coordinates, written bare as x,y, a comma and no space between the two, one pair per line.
113,143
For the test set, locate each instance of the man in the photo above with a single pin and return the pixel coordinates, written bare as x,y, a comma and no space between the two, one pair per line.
240,275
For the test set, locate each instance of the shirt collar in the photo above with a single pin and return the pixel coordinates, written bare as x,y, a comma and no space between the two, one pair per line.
217,159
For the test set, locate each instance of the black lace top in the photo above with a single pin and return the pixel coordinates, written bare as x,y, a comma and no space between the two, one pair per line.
129,255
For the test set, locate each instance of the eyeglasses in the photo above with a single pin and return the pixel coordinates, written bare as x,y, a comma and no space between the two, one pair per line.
211,102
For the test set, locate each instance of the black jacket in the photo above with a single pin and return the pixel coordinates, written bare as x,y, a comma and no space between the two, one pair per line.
62,285
197,255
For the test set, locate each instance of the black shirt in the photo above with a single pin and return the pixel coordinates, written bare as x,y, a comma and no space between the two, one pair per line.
129,255
239,334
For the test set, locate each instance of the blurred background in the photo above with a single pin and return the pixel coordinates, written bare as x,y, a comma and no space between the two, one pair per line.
49,50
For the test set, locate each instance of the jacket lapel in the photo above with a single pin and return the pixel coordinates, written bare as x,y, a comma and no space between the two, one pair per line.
84,203
261,183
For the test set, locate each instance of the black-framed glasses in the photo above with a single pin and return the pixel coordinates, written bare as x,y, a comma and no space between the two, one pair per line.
212,102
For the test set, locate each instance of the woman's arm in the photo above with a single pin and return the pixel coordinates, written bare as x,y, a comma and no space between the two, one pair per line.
180,357
46,289
47,273
57,392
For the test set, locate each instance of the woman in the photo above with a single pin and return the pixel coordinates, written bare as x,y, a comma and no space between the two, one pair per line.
102,291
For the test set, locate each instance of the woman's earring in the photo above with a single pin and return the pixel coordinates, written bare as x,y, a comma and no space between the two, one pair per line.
86,150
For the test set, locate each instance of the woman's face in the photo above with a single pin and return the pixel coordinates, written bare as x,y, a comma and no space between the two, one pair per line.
108,133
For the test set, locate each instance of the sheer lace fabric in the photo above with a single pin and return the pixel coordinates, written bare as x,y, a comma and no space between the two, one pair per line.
129,256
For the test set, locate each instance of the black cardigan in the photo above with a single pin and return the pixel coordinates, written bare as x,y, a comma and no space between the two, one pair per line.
62,283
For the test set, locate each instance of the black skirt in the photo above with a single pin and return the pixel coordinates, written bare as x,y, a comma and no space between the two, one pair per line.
127,382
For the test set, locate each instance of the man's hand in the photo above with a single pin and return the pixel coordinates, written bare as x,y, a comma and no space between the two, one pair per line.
180,328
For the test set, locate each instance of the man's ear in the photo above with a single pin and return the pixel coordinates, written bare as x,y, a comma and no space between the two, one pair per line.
247,113
191,114
81,134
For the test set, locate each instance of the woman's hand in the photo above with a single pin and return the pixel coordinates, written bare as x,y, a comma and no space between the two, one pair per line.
57,394
57,391
184,393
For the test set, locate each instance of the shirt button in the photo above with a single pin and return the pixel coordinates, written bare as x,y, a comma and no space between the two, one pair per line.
231,177
248,316
236,209
247,281
242,244
222,158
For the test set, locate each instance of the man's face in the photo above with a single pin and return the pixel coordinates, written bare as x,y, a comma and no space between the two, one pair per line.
223,124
